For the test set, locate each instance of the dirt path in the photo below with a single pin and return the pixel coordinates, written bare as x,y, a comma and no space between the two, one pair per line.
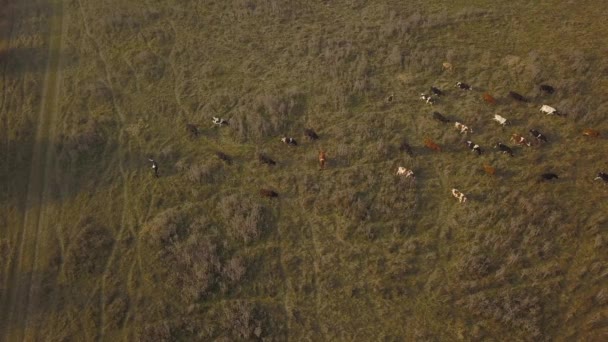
24,275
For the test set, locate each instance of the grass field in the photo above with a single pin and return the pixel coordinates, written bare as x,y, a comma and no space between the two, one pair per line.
94,247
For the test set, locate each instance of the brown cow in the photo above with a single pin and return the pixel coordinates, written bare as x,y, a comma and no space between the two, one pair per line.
518,139
432,145
588,132
489,169
322,159
489,99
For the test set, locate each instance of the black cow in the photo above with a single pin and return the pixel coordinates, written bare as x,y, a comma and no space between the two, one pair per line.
547,88
439,117
193,130
538,135
436,91
463,86
268,193
474,147
265,159
548,176
517,96
602,176
405,147
504,149
223,156
311,134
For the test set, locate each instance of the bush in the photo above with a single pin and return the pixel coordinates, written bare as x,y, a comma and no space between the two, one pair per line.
245,218
88,253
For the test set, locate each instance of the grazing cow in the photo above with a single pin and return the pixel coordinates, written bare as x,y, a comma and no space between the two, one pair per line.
501,120
439,117
432,145
548,110
219,122
289,141
402,171
504,149
547,88
223,156
427,98
154,167
436,91
462,128
193,130
311,134
518,139
517,96
268,193
588,132
548,176
602,176
266,160
390,98
538,135
474,147
459,195
322,159
463,86
405,147
489,169
489,98
448,67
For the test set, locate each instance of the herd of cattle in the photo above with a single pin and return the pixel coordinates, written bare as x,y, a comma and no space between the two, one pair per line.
431,99
464,129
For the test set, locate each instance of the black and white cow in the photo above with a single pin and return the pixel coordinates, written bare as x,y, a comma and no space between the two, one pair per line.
154,167
427,98
439,117
219,121
602,176
462,128
289,141
474,147
463,86
504,148
538,135
436,91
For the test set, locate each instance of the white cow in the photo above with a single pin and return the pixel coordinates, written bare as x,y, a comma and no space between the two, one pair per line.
459,195
501,120
427,98
462,128
402,171
548,110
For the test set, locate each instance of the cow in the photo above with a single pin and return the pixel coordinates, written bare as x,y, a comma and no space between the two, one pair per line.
268,193
474,147
462,128
501,120
427,98
518,139
602,176
264,159
193,130
489,98
224,157
504,148
436,91
548,110
322,159
154,167
459,195
311,134
289,141
432,145
489,169
405,147
402,171
439,117
219,122
390,98
547,88
539,137
463,86
447,67
548,176
588,132
517,96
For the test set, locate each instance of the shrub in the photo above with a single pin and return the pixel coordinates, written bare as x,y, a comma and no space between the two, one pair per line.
88,253
245,218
